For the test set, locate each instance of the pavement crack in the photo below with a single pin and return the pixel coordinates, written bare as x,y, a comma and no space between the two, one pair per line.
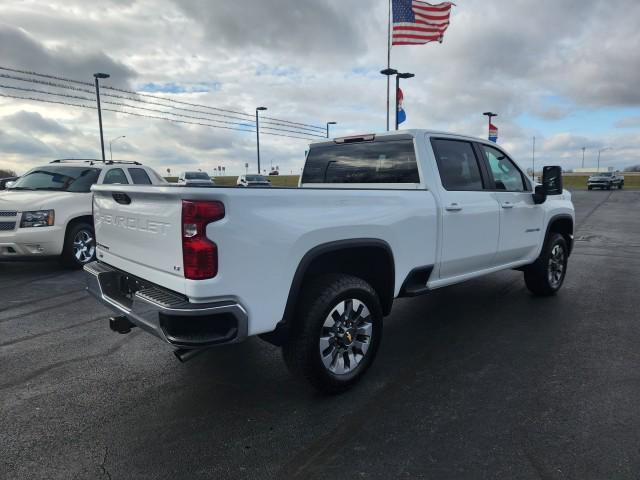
44,309
40,300
102,465
49,332
593,210
61,363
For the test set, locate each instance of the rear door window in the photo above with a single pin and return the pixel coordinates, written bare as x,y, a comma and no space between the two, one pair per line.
392,161
457,164
139,176
115,175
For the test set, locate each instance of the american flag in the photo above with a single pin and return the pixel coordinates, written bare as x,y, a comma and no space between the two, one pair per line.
416,22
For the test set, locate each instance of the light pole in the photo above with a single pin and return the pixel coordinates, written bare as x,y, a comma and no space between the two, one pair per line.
329,123
599,152
583,149
111,141
259,109
490,115
398,77
388,72
98,76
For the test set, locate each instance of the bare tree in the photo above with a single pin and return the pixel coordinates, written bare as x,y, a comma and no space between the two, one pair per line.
5,172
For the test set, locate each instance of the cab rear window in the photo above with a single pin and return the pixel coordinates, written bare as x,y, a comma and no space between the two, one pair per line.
391,161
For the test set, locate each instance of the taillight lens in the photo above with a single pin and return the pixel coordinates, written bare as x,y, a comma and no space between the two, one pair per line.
199,254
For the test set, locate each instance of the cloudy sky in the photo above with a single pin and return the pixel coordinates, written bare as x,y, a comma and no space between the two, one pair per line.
565,72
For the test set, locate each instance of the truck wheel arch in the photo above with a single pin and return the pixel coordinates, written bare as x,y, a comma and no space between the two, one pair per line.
367,258
562,224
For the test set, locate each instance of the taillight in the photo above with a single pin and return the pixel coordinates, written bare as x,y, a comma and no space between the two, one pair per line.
199,254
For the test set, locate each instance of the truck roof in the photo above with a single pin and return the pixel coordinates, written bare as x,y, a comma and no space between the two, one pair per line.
414,132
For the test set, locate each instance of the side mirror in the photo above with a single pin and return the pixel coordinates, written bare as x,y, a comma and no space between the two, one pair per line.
552,180
551,184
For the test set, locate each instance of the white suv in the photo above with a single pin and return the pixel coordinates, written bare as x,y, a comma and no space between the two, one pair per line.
47,211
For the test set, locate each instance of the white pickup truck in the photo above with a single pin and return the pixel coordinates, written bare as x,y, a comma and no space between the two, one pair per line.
315,269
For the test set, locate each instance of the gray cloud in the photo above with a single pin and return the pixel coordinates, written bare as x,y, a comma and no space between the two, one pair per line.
19,49
305,28
34,123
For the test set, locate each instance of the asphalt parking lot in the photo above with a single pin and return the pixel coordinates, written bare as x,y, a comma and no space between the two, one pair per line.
479,380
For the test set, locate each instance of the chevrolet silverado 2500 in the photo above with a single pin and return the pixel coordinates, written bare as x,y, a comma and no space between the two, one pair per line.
315,269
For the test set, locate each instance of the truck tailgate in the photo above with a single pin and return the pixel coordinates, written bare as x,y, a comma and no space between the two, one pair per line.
140,229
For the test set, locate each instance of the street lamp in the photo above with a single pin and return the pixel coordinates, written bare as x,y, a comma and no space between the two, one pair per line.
259,109
111,141
490,115
388,72
98,76
398,77
329,123
600,151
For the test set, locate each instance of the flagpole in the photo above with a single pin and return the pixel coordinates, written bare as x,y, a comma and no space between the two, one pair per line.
388,59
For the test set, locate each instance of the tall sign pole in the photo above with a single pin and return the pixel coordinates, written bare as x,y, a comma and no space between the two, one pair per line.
98,76
388,60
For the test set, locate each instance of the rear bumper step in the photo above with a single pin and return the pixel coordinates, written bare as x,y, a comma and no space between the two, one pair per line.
163,313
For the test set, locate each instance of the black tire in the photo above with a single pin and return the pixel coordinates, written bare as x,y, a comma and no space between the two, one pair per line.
620,186
71,258
590,187
542,277
302,351
609,187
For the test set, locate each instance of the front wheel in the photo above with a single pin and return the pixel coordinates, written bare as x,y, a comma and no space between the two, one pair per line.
79,246
337,330
545,276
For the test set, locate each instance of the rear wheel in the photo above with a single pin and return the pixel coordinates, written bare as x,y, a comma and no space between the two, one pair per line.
336,333
545,276
79,246
620,186
590,187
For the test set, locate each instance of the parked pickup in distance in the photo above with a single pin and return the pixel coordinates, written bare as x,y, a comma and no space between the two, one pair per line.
315,269
195,179
606,180
47,211
253,181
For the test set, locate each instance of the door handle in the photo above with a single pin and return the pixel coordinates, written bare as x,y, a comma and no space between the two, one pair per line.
453,207
507,205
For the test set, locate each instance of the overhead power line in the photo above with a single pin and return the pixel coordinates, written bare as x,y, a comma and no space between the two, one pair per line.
268,120
91,107
166,112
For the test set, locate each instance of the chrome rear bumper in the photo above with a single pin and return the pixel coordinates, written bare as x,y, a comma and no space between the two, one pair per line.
166,314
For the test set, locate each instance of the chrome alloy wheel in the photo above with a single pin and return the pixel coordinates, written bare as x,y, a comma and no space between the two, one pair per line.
84,246
555,270
345,336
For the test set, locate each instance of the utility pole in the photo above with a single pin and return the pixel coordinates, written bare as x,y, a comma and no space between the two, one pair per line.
533,160
259,109
583,149
98,76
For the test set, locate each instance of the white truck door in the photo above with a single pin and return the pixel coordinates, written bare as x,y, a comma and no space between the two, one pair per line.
470,215
520,218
